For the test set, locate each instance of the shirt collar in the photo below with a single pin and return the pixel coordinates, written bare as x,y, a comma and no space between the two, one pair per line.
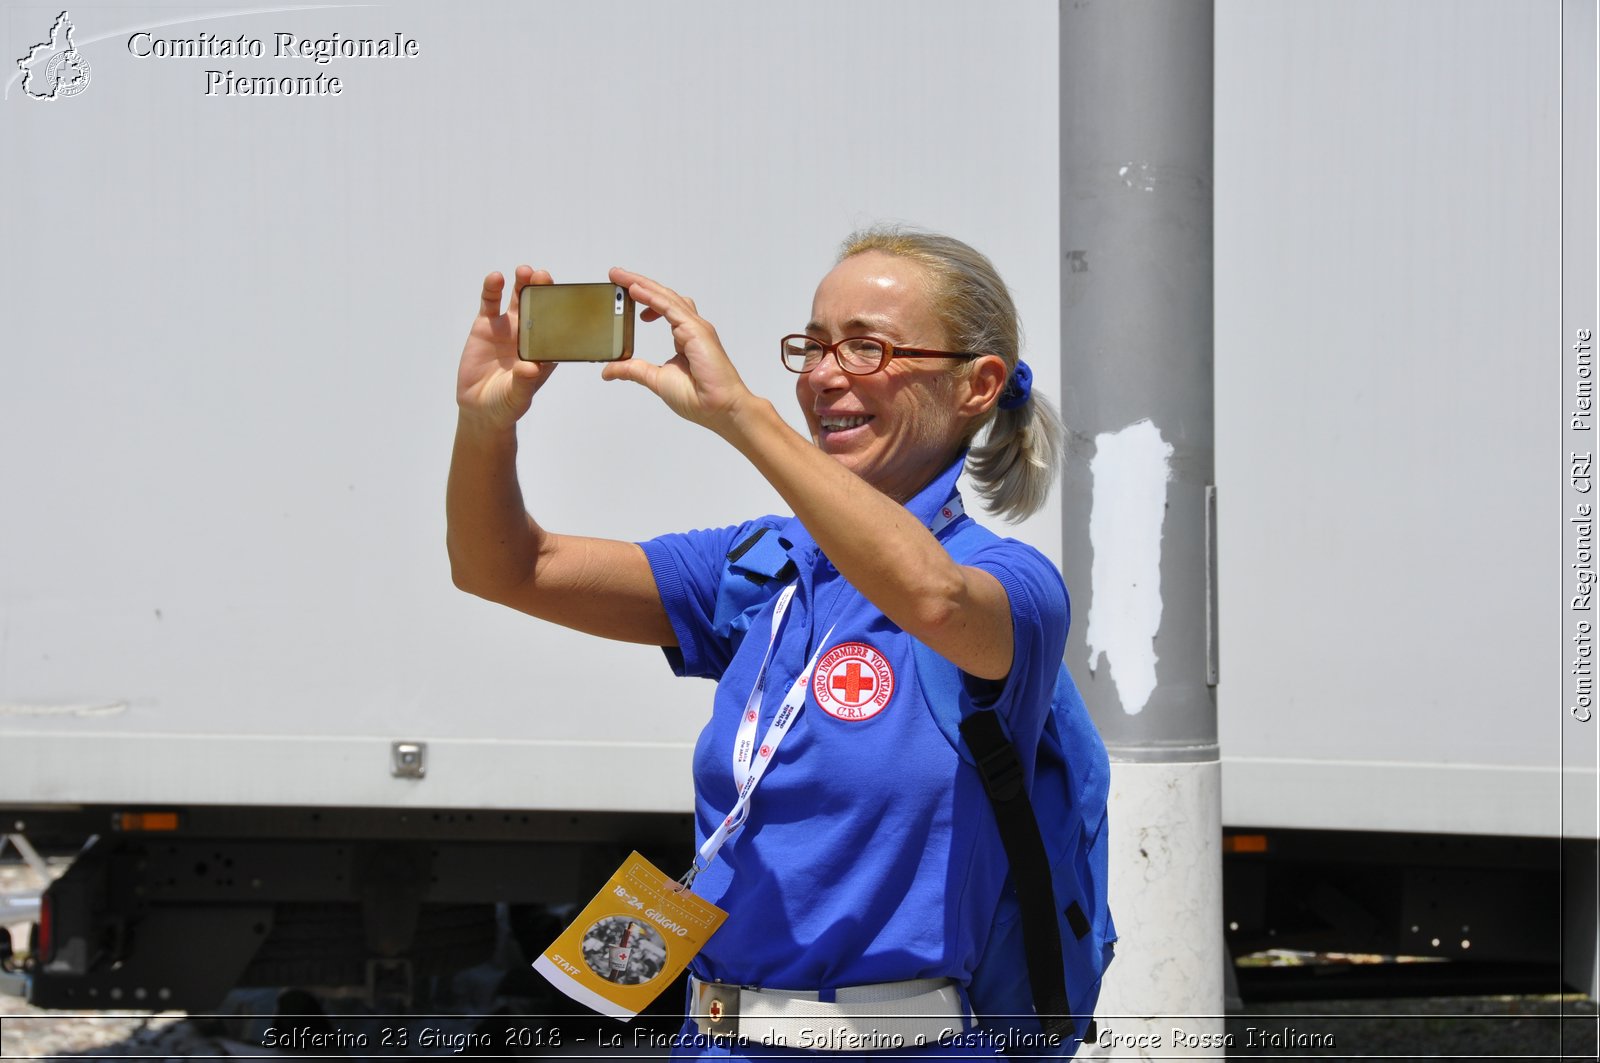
924,505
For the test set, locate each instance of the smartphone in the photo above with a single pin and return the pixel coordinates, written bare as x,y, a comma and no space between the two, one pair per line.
575,323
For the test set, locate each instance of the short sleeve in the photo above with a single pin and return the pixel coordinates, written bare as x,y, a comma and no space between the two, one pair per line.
689,569
1039,619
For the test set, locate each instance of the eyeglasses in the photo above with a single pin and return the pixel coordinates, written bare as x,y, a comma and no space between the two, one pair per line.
856,355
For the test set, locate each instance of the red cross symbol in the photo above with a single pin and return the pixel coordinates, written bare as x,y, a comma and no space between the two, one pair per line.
751,716
766,751
852,682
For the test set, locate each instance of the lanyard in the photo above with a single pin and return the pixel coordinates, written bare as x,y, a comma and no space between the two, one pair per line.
946,515
749,762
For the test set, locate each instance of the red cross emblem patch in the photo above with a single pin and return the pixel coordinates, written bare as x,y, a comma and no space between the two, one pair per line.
853,681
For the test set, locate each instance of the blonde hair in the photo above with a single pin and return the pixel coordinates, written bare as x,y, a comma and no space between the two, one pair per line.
1017,462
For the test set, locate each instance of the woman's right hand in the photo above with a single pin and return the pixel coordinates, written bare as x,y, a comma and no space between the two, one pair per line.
497,551
494,387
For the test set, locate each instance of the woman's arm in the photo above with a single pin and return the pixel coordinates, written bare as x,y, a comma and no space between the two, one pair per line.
497,551
962,613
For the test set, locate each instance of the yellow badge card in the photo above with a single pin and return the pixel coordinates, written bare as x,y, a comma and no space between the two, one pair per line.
632,940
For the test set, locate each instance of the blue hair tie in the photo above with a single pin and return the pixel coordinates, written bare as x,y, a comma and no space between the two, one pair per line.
1019,385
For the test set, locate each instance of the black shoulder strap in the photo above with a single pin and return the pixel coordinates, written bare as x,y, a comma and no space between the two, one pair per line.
760,559
1030,867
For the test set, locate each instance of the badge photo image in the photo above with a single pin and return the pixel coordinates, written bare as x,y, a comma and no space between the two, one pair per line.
623,950
853,682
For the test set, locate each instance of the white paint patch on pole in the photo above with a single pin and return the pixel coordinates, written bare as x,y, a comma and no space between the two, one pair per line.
1130,469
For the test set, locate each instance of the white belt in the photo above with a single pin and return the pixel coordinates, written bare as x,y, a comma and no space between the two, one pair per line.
860,1018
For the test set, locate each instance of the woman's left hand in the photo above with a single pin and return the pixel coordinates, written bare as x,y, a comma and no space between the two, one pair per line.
699,383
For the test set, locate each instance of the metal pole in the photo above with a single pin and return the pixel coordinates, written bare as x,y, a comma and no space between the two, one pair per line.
1136,124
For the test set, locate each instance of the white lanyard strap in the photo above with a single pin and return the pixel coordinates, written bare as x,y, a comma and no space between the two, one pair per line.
757,761
752,704
947,514
749,762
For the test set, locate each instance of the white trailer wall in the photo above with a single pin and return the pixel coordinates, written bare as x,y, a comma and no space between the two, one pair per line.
1389,407
231,327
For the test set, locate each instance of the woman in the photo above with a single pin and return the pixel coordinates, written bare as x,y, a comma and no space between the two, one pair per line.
864,870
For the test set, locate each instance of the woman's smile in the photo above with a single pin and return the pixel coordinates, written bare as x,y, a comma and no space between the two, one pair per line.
893,428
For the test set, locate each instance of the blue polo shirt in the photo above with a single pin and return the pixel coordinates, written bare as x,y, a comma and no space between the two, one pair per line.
870,852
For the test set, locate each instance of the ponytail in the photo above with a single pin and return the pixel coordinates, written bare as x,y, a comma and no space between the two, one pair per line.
1015,465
